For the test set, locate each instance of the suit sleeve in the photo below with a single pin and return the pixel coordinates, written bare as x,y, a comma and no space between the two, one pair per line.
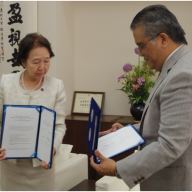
174,135
60,127
137,126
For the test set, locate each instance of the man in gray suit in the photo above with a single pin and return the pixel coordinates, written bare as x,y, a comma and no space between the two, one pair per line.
164,162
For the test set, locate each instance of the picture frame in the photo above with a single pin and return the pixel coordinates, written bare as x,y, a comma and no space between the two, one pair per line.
82,100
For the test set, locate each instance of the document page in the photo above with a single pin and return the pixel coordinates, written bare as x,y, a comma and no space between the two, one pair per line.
119,141
46,136
20,131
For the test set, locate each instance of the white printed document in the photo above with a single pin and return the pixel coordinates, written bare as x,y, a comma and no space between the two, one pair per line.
28,132
119,141
113,143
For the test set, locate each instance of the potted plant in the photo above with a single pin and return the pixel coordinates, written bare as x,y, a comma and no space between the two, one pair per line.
136,82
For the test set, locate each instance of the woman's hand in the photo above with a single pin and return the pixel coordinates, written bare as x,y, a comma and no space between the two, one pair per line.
44,164
114,128
2,154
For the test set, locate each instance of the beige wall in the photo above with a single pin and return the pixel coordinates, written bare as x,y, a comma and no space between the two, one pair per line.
104,43
92,41
55,21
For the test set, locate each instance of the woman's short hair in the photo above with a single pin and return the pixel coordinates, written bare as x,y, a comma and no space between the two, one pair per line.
156,19
29,42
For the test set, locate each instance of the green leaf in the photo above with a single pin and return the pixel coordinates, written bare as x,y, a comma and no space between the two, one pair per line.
137,99
131,101
122,90
151,84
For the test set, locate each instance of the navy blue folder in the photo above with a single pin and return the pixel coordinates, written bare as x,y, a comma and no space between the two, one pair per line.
93,128
94,142
39,110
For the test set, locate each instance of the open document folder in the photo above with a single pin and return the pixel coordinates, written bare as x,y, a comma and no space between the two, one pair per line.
28,132
113,143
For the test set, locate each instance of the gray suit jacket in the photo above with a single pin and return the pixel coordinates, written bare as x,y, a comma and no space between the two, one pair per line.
165,160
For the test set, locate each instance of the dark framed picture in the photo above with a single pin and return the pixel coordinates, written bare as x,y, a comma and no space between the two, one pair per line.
82,101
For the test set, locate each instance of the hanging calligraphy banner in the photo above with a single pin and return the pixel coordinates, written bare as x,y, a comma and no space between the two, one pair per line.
17,18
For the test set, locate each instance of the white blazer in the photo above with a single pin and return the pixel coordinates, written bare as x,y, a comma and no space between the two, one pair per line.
51,95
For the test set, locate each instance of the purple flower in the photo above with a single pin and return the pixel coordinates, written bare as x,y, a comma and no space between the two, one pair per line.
140,80
127,67
137,51
122,76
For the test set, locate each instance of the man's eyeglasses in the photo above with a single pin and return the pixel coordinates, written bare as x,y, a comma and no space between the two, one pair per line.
140,47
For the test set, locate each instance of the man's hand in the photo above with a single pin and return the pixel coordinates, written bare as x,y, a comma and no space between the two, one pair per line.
114,128
106,166
44,164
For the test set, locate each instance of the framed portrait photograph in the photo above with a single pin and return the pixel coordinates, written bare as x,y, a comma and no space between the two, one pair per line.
82,100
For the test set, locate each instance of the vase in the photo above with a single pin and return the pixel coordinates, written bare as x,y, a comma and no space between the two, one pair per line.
137,110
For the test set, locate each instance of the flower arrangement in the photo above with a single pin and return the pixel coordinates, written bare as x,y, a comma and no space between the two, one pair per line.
136,80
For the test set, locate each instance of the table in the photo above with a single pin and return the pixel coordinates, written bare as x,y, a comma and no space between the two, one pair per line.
86,185
77,131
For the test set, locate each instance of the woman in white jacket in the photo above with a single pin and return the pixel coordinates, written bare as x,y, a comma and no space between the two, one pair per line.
32,87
